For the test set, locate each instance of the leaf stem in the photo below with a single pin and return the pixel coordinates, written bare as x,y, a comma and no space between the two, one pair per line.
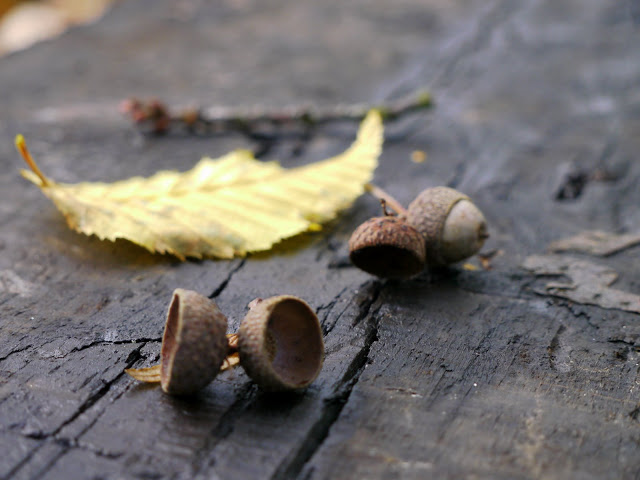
21,145
386,198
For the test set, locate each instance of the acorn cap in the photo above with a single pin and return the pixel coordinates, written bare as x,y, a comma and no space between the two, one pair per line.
280,343
452,226
194,343
388,247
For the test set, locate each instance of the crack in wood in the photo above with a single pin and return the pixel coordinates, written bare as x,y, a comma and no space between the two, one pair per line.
204,462
578,311
97,343
624,341
17,350
75,442
88,403
72,443
575,178
222,429
328,327
374,288
293,465
216,293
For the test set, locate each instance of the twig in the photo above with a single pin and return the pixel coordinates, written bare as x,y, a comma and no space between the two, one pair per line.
383,204
386,199
155,117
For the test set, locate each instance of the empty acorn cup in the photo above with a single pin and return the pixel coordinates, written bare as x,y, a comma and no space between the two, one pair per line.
280,343
194,345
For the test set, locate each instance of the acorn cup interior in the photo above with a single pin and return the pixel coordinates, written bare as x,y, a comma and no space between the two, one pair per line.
296,348
169,340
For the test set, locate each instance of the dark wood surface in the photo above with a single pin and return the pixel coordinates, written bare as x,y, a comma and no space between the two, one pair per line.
456,374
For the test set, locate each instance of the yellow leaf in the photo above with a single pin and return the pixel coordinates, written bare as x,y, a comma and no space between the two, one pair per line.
220,208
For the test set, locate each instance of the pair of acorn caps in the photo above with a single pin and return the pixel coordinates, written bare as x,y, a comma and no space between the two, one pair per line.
440,227
279,344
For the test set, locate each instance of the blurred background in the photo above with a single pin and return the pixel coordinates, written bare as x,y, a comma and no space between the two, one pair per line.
23,23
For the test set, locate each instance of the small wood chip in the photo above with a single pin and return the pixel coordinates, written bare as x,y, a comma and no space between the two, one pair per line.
149,375
418,156
230,362
588,283
485,258
596,242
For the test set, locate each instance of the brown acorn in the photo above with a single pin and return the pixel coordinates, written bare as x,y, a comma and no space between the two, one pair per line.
388,247
452,226
194,345
280,343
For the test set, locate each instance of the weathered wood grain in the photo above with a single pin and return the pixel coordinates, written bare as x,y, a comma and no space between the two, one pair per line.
456,374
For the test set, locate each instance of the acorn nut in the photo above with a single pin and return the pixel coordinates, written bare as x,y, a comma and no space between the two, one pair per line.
388,247
194,345
452,226
280,343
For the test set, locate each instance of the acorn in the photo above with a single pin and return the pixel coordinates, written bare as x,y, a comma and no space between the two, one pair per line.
280,343
388,247
452,226
194,345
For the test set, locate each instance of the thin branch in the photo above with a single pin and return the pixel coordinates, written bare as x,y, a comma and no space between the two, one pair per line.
386,199
155,117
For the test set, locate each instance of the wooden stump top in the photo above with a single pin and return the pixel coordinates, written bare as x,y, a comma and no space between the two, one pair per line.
462,373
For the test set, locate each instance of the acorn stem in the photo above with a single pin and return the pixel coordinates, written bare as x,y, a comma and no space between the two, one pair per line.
387,198
383,204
